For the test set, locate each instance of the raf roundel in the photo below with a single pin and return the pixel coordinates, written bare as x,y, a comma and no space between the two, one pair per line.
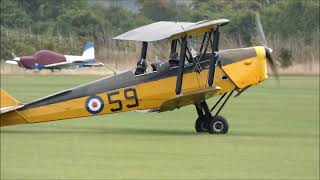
94,104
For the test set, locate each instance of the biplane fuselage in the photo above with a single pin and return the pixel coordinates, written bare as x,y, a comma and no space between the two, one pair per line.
237,69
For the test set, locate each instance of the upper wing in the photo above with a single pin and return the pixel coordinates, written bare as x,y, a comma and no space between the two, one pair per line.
154,32
200,28
192,97
169,30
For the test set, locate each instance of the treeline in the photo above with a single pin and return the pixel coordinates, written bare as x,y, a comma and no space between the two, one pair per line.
80,20
65,17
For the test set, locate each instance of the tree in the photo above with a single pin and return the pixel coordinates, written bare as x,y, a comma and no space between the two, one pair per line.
162,10
13,15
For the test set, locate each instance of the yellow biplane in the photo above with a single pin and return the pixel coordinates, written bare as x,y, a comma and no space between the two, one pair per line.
189,77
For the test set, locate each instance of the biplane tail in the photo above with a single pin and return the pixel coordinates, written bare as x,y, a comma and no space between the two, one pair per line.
8,107
7,100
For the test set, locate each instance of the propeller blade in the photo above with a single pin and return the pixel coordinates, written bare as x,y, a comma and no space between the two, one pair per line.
263,41
261,37
271,62
13,55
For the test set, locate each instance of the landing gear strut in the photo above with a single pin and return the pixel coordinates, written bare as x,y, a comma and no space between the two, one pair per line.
213,124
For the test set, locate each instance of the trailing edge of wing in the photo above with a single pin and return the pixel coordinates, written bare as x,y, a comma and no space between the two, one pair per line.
192,97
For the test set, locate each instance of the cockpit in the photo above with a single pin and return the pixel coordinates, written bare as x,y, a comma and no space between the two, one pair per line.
159,66
192,57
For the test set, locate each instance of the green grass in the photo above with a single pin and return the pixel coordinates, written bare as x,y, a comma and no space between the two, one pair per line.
274,134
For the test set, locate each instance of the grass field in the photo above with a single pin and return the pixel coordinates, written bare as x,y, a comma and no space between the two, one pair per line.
274,134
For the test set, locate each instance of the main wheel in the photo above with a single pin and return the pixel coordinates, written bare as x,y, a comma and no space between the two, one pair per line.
218,125
201,125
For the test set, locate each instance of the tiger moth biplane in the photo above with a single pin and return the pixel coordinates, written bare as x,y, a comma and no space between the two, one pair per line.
188,78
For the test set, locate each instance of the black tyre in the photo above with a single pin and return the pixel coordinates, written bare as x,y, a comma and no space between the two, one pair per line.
201,125
218,125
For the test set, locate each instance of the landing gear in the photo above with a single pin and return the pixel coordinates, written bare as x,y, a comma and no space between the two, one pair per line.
201,122
218,125
201,125
215,125
212,124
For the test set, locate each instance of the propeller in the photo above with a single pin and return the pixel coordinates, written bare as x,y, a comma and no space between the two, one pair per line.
262,40
14,61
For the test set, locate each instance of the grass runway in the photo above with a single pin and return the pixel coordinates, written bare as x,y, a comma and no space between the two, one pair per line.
274,134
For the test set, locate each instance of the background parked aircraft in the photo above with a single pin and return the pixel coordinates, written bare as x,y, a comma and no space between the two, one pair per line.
45,59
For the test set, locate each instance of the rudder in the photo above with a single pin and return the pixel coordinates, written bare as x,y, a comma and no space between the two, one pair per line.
8,106
88,52
7,100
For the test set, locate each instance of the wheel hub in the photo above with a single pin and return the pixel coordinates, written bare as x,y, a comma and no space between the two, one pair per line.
218,126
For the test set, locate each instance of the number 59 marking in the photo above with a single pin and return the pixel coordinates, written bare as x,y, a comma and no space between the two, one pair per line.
129,94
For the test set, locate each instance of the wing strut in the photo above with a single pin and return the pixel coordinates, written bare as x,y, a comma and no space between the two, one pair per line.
173,46
203,40
181,65
215,48
144,50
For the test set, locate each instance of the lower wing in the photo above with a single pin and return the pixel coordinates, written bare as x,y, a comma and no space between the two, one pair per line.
63,65
12,62
93,64
193,97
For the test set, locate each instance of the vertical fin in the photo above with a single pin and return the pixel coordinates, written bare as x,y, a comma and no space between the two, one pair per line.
88,52
7,100
10,117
